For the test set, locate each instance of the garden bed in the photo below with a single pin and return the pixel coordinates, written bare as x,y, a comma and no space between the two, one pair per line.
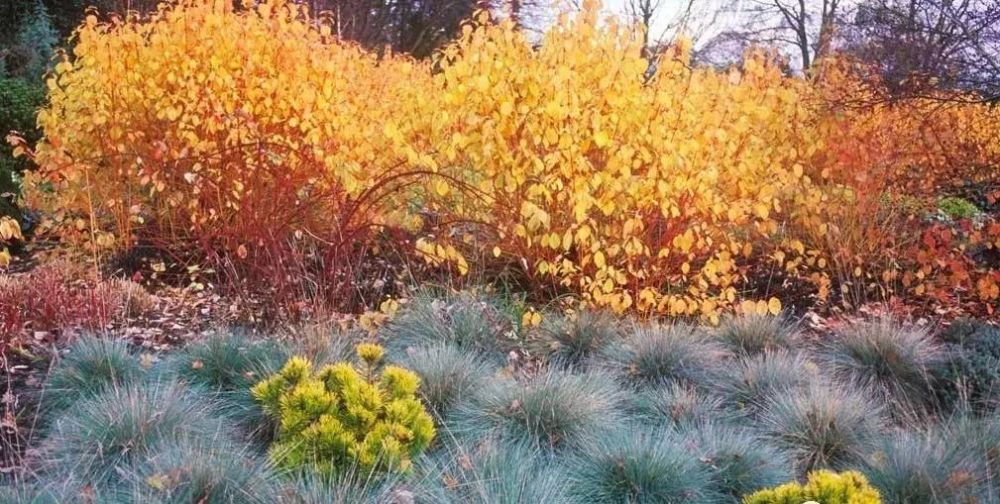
585,407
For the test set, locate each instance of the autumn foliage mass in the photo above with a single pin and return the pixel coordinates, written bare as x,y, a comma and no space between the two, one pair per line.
257,142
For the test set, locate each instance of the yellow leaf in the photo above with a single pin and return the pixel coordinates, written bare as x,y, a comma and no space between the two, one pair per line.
762,307
599,260
601,139
441,187
762,210
774,306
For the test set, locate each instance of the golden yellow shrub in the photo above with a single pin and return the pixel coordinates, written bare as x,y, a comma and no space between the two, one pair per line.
256,135
238,135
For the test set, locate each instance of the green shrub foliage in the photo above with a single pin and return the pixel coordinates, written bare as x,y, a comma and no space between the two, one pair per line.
958,208
346,416
824,487
972,372
19,99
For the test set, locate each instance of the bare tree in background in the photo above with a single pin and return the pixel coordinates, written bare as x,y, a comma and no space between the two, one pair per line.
663,19
808,26
926,45
643,12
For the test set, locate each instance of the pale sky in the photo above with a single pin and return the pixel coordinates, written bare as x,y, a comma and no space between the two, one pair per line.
704,23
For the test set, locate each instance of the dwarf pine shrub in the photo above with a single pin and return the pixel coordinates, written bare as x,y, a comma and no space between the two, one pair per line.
823,487
345,416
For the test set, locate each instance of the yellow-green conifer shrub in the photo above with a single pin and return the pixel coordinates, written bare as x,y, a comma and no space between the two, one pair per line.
822,487
346,416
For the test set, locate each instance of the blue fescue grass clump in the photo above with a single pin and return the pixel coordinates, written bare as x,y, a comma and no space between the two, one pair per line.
738,460
347,487
657,354
52,491
89,366
224,367
927,467
754,333
225,362
552,410
821,427
203,470
640,466
470,322
573,340
99,438
748,383
447,374
894,361
979,436
322,342
676,404
493,473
